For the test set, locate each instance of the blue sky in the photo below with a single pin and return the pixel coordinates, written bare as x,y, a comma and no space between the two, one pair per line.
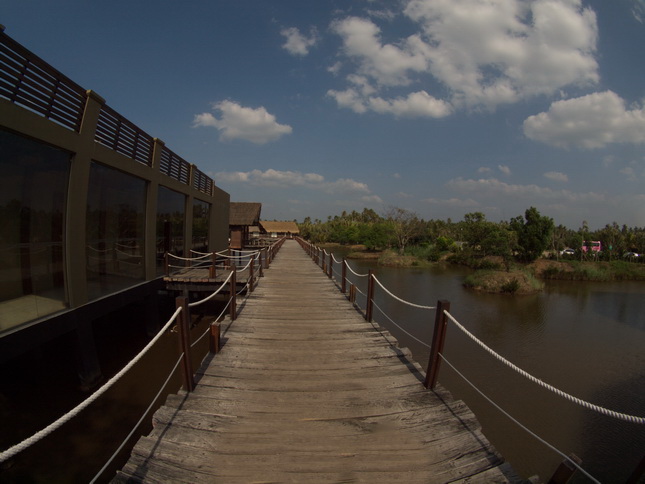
441,107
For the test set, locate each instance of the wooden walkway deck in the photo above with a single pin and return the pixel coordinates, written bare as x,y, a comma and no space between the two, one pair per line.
305,390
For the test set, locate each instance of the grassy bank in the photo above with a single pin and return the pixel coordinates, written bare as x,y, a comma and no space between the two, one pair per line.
493,275
515,281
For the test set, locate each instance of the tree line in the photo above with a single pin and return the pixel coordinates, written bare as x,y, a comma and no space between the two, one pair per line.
524,238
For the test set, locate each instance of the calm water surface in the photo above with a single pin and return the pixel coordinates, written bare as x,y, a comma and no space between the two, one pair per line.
587,339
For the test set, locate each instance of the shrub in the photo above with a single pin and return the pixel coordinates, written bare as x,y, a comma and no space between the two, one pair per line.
511,286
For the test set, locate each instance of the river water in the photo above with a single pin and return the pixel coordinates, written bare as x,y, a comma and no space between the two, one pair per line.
587,339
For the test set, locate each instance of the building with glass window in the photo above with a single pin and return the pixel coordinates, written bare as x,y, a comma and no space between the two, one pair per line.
89,203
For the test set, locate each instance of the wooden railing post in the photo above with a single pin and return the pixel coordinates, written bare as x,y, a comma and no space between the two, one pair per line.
565,470
233,290
166,264
438,340
352,293
370,295
343,284
214,339
260,264
183,325
331,265
251,274
212,270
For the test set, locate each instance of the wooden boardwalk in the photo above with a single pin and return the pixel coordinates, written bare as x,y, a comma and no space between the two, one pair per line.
305,390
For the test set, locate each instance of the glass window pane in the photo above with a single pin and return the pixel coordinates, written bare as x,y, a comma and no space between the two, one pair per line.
171,206
201,214
115,230
33,189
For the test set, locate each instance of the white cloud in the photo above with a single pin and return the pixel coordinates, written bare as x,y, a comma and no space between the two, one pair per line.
493,188
297,43
386,64
483,169
372,199
452,202
591,121
415,105
285,179
238,122
556,176
483,52
638,10
504,169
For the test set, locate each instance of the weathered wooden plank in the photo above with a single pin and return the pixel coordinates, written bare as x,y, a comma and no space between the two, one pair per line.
304,389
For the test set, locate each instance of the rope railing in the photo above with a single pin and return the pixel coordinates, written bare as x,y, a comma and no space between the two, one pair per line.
442,315
519,424
208,298
551,388
354,272
188,258
408,303
16,449
26,443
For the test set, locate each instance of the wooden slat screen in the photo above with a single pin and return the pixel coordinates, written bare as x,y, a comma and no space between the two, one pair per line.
119,134
174,166
27,80
202,182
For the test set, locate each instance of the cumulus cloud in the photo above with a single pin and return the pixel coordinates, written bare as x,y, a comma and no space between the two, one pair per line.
297,43
591,121
256,125
286,179
493,188
556,176
476,53
504,169
372,199
466,203
386,64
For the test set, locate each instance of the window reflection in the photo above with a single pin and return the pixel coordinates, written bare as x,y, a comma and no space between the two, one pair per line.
171,207
32,203
115,230
201,213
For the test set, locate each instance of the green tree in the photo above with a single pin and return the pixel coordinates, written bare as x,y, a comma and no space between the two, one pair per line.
533,234
405,226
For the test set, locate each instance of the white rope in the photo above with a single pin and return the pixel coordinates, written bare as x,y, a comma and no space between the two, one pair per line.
355,273
201,253
583,403
402,300
12,451
533,434
406,332
187,258
335,260
136,426
201,301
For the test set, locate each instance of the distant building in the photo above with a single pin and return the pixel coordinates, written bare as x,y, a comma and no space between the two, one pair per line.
279,229
242,216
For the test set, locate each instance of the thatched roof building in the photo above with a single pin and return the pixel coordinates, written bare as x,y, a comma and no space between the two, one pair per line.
242,215
278,229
